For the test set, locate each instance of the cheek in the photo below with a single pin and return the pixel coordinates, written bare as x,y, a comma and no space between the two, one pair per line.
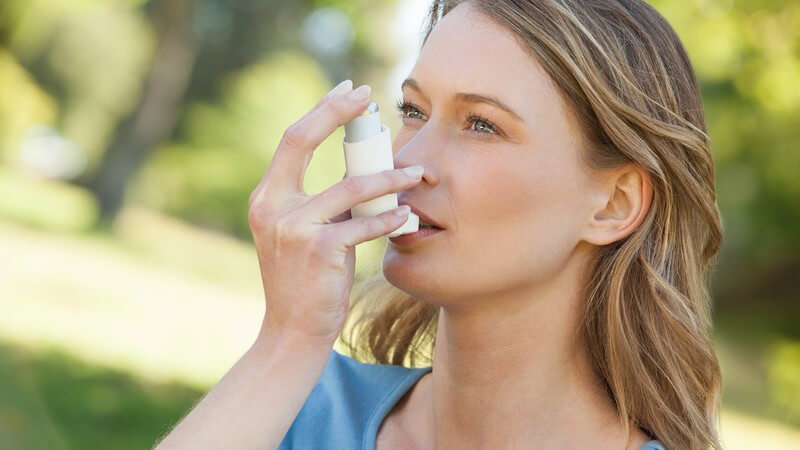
518,222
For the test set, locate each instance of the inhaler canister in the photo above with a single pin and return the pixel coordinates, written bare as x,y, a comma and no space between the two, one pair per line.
368,150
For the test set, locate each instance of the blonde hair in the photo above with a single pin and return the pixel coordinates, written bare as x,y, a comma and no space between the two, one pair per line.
646,318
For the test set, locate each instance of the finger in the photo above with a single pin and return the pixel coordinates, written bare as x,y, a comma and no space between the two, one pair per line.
367,228
354,190
342,88
347,215
297,145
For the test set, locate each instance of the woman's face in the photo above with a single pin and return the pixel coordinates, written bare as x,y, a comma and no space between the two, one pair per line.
509,189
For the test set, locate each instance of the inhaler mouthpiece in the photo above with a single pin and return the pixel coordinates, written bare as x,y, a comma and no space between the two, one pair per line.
368,150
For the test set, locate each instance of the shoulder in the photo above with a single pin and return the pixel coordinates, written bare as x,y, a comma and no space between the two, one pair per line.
653,445
343,403
342,369
357,384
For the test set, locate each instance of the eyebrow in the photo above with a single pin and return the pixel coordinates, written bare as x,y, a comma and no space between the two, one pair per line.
467,97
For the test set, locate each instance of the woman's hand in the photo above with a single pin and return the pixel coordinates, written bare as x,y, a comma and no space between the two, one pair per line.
305,247
306,244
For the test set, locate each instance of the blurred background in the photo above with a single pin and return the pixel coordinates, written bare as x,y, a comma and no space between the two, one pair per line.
132,133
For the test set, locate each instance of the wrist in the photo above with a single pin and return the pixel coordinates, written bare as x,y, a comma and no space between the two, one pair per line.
272,337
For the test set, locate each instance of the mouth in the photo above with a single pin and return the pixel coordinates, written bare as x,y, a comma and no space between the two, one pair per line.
422,224
416,238
425,221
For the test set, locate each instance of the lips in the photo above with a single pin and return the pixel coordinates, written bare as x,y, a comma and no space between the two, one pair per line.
422,216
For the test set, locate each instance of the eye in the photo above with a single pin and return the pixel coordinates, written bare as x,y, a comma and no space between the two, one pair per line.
486,129
487,125
404,108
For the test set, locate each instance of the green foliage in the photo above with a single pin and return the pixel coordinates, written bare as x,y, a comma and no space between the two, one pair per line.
91,57
784,379
747,57
207,177
42,203
22,104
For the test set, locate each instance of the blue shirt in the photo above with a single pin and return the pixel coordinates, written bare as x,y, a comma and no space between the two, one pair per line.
349,402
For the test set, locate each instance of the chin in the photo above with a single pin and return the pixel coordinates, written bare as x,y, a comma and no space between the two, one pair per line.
407,267
410,273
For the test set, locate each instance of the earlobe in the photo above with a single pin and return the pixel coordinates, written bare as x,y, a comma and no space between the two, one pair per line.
624,208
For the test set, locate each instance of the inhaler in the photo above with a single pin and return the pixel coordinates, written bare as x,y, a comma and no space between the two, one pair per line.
368,150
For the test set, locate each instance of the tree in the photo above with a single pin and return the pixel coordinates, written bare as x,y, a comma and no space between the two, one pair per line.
154,117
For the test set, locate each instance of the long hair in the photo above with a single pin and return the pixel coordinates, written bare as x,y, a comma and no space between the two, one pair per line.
645,319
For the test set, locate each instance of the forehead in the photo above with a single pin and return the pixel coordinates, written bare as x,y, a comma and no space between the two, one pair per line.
466,52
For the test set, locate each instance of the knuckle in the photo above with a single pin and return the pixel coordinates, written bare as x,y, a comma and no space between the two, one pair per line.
391,178
287,231
294,137
353,185
319,103
252,198
257,199
338,106
317,244
373,225
259,211
385,221
254,217
339,263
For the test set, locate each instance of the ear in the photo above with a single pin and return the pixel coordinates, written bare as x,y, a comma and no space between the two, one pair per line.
622,201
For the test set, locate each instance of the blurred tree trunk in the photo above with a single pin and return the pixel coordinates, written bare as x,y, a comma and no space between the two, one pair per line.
153,119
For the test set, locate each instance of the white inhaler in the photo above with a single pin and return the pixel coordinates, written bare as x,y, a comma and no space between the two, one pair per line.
368,150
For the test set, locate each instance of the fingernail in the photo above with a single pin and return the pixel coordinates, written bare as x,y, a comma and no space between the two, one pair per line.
402,210
414,171
341,88
361,93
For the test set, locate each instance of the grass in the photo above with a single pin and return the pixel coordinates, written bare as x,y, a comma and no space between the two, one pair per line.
52,400
118,304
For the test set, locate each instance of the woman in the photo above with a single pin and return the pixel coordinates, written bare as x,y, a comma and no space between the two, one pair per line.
566,161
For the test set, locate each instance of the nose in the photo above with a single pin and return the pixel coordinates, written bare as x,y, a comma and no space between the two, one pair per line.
419,150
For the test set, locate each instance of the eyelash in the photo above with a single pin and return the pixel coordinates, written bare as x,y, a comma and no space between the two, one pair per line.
472,118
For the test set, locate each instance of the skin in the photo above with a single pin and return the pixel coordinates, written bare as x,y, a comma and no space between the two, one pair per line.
521,214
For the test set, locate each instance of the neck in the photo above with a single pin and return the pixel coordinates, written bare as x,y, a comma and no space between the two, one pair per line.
508,371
